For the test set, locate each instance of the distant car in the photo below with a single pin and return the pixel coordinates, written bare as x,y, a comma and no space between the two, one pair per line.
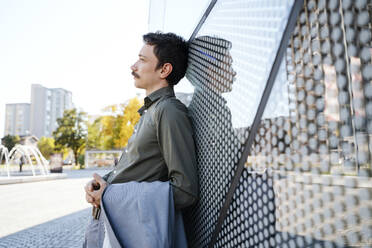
67,162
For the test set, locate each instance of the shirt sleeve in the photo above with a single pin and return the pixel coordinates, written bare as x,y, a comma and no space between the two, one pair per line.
106,177
177,145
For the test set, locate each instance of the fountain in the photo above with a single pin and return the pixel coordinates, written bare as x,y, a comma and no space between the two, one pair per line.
29,153
4,154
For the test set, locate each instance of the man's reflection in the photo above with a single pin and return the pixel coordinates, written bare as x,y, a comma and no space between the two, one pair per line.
219,145
211,61
211,73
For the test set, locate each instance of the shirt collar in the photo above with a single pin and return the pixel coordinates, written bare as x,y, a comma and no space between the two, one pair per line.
154,96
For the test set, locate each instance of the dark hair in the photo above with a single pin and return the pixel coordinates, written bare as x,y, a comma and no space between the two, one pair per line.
169,48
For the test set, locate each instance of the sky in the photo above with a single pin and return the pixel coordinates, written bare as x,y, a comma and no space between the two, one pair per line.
84,46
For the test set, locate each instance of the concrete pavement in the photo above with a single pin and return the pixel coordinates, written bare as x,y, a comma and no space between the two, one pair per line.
29,178
46,213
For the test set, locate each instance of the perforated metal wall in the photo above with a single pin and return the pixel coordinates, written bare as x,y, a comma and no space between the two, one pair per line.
307,179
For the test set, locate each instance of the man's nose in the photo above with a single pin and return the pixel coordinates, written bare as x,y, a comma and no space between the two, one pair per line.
233,72
133,67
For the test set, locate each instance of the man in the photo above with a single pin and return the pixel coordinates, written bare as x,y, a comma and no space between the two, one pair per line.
162,146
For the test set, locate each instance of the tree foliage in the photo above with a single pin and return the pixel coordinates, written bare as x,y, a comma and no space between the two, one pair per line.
114,128
94,137
127,121
71,132
46,146
9,141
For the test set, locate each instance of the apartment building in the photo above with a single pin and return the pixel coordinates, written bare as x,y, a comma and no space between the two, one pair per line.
17,119
47,105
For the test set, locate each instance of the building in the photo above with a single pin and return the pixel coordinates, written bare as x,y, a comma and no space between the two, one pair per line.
185,98
17,119
47,105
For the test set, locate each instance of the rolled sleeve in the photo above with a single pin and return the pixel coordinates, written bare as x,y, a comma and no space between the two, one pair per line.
177,145
106,176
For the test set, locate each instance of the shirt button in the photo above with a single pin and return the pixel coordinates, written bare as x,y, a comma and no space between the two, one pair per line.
114,171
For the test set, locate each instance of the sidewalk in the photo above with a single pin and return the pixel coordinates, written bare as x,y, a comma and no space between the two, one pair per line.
30,178
67,231
27,177
50,213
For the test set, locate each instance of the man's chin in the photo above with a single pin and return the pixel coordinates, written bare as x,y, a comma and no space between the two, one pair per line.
137,85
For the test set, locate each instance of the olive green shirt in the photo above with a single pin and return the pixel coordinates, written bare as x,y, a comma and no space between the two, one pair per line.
161,148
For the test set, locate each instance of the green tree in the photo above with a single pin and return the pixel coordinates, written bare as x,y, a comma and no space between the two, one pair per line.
46,146
9,141
71,132
95,137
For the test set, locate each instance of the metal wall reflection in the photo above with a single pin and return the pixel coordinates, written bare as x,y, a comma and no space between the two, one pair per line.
307,181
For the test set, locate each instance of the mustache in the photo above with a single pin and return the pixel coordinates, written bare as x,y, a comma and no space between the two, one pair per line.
135,74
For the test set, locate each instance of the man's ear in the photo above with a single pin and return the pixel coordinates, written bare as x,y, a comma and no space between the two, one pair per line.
166,70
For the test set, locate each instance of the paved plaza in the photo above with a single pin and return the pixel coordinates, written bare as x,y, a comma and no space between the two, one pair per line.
46,213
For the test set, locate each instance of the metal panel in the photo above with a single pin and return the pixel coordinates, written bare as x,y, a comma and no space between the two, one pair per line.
308,180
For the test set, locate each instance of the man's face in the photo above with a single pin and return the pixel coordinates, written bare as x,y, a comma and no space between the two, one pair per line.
221,82
144,72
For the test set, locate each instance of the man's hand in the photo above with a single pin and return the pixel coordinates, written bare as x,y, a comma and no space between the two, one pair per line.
88,190
93,196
